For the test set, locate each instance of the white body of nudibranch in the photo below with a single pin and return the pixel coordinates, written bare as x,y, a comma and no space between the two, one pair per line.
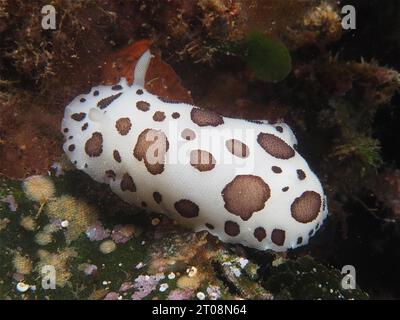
241,180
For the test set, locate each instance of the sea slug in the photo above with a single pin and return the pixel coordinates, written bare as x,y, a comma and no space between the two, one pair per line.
241,180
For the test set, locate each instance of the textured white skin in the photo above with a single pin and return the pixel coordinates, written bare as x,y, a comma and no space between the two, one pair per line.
183,181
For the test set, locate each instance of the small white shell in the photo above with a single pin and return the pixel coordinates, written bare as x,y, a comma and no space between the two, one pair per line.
200,295
163,287
171,276
65,224
22,287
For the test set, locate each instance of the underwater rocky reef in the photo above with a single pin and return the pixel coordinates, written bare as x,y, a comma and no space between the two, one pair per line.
275,60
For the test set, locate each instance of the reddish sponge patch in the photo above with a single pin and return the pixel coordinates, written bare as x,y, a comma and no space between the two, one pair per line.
164,81
305,208
245,194
275,146
187,208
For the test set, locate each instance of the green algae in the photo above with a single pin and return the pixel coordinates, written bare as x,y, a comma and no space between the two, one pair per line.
267,57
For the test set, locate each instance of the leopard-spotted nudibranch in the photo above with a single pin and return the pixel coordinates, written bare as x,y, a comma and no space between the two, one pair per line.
243,181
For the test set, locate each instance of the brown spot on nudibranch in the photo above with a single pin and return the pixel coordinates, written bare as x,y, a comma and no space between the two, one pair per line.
85,126
82,100
143,106
279,129
285,189
202,160
245,194
260,234
300,174
175,115
157,197
96,93
209,226
159,116
187,208
71,147
78,116
305,208
94,145
276,169
104,103
117,156
275,146
66,130
127,183
117,87
231,228
237,148
123,126
139,91
278,237
255,121
188,134
203,117
151,146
